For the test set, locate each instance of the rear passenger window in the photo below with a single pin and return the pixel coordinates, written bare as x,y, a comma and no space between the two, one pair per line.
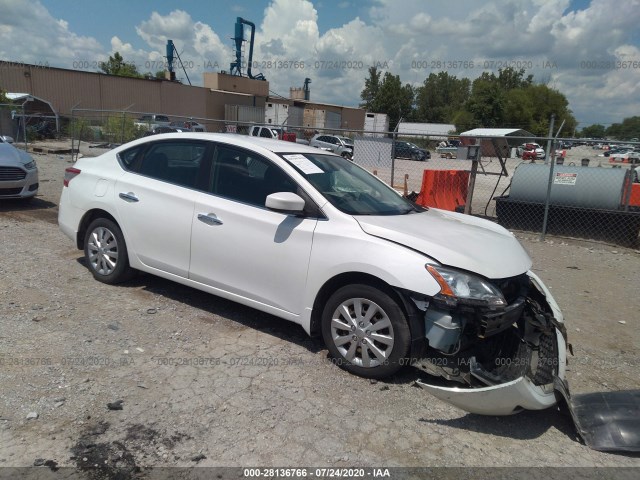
179,162
128,156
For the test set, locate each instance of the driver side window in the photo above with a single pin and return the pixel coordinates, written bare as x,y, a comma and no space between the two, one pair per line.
246,177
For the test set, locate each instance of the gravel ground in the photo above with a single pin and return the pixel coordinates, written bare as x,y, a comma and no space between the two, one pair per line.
207,382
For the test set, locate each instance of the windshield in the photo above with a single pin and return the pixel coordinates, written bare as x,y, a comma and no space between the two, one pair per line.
347,141
348,187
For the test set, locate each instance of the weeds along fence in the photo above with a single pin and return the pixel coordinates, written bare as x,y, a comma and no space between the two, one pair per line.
568,191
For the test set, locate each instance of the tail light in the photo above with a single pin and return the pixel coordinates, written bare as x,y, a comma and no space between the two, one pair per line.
69,174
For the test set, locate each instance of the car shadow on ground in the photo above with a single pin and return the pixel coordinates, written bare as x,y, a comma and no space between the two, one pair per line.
20,205
36,208
227,309
525,425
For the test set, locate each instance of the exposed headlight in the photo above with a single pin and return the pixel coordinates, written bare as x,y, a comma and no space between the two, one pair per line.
459,286
30,166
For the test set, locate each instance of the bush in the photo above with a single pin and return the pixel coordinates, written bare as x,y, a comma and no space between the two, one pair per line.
122,129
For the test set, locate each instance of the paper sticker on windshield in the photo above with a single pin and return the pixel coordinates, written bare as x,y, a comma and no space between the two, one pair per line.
303,163
565,178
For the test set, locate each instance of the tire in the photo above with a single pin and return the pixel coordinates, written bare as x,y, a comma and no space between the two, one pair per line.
362,348
106,252
346,155
415,157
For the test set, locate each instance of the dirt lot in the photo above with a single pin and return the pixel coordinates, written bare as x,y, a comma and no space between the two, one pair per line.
208,382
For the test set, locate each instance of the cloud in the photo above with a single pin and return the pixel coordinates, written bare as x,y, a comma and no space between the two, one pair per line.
199,47
570,49
29,34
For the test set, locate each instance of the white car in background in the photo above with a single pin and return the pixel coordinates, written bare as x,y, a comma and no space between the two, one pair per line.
530,147
18,172
311,237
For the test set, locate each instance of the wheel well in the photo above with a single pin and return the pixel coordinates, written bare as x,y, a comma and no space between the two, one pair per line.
89,217
340,281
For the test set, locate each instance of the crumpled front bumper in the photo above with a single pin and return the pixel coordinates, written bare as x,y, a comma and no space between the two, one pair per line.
513,396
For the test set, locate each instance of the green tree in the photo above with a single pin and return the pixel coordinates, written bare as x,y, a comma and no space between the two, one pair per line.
117,66
486,102
549,101
628,129
510,78
518,107
371,88
3,97
394,99
440,96
593,131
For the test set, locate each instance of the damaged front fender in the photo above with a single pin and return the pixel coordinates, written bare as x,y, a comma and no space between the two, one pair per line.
502,399
535,344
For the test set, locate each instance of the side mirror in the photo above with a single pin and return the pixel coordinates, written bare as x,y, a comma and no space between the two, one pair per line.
285,202
7,139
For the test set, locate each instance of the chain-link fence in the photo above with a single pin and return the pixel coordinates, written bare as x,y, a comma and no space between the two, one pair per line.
564,187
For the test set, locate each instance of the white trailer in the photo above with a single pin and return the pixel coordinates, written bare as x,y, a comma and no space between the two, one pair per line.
376,122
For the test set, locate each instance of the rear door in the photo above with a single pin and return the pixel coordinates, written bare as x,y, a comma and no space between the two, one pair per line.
155,201
240,246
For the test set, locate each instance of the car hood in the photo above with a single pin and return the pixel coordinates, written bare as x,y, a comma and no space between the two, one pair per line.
454,239
12,157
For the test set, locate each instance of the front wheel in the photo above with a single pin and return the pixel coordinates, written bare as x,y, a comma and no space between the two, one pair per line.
366,331
106,252
347,155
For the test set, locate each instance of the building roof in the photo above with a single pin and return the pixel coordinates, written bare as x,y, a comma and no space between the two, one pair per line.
496,132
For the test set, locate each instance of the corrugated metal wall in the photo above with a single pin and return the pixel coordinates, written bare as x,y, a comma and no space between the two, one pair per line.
66,89
333,120
296,116
244,113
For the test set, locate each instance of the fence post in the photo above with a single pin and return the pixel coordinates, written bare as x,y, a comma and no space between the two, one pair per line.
547,200
393,155
123,121
24,128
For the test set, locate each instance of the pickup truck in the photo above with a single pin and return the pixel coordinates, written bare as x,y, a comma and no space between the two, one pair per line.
150,122
448,149
271,132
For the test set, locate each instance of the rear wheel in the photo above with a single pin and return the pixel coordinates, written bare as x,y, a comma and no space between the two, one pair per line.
366,331
106,252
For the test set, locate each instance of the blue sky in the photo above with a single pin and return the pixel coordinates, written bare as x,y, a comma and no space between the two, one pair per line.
121,19
591,48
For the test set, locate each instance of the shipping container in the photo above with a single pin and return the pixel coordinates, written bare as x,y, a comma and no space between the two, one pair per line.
244,113
276,114
376,122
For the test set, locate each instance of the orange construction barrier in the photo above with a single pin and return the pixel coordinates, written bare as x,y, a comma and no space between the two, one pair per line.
445,189
634,200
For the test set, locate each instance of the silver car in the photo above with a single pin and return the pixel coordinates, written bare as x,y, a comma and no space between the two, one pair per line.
342,146
18,172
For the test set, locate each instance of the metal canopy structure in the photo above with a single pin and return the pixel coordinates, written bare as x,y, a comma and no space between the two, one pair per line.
34,107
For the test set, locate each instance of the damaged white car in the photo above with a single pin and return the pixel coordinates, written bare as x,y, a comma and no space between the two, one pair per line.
313,238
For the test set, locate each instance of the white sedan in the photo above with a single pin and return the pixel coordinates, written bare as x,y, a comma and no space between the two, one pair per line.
311,237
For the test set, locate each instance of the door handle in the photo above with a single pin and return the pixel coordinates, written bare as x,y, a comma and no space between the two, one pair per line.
209,218
129,197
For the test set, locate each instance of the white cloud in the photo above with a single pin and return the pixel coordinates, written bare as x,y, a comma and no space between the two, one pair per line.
396,33
199,47
28,33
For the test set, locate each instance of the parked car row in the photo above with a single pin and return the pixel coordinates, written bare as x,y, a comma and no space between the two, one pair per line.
162,124
344,146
